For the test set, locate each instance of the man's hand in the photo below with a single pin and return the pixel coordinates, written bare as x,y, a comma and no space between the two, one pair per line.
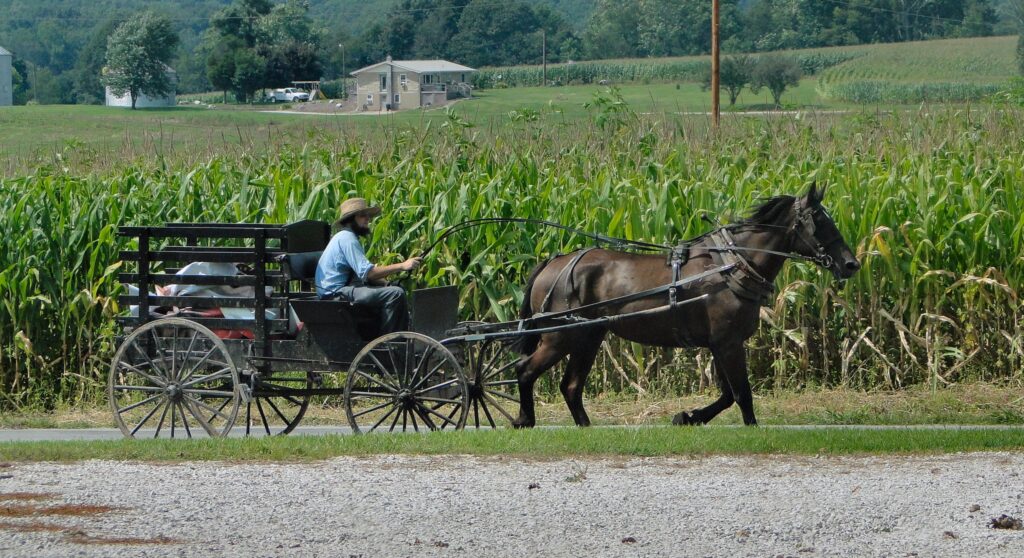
411,264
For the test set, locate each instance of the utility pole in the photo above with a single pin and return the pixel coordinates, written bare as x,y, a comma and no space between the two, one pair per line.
544,53
344,76
714,63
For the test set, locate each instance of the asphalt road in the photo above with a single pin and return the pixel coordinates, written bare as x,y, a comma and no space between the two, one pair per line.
64,434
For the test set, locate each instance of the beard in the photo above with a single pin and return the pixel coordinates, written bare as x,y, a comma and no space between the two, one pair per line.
358,230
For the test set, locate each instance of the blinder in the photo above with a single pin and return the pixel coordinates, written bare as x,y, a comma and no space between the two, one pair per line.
804,229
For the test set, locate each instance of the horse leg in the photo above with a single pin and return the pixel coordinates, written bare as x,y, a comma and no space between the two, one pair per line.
581,361
527,371
703,416
731,362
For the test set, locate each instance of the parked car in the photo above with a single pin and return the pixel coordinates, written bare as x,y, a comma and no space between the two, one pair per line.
287,94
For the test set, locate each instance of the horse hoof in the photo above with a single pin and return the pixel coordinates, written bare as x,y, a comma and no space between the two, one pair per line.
519,425
683,419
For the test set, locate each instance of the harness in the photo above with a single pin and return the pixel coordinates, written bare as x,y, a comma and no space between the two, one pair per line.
742,279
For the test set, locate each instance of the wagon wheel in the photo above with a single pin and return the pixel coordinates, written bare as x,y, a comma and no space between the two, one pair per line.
490,368
172,375
405,381
274,408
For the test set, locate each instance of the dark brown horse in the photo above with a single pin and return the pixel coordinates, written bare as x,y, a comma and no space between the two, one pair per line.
751,254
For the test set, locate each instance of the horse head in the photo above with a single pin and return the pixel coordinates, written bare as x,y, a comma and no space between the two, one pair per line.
816,236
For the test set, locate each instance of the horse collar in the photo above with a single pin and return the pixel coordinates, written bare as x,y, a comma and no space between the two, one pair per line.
743,280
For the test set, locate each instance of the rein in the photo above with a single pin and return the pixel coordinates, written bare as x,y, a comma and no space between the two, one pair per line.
804,217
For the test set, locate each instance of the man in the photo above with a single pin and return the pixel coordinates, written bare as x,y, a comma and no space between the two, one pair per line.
344,272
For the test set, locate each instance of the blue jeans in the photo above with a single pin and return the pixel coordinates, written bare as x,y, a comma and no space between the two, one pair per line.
389,303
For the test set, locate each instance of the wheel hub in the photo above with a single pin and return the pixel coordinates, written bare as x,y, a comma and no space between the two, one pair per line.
174,392
406,398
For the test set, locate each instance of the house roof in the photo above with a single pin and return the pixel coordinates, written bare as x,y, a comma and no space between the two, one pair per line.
5,52
419,66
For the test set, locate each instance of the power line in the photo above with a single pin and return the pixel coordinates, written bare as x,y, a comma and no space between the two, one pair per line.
386,13
895,12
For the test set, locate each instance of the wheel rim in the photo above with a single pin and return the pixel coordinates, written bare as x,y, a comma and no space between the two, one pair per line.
172,376
405,381
273,409
490,368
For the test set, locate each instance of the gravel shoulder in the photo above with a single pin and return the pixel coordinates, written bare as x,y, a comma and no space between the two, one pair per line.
471,506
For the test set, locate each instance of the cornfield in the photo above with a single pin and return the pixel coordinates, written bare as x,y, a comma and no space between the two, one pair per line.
931,201
650,70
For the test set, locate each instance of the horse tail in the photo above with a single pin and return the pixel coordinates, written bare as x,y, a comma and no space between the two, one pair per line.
528,343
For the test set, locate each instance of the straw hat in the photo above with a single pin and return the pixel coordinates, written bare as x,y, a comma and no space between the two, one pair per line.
356,206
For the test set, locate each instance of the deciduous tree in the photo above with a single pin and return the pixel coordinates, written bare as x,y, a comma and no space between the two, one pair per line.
776,73
137,56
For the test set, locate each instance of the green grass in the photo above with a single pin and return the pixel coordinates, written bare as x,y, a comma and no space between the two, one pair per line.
96,138
538,443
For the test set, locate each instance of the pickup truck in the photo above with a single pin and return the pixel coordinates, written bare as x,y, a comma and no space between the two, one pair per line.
287,94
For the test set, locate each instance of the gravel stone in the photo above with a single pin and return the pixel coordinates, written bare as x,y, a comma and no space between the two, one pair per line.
391,506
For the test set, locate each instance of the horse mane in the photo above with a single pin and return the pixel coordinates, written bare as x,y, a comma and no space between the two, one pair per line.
771,211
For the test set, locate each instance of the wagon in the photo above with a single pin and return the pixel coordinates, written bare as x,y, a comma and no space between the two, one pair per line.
192,359
234,333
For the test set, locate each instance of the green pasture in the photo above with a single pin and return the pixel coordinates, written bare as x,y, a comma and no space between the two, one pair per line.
536,444
59,135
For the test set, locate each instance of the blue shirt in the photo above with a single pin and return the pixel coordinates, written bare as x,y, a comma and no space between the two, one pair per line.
342,259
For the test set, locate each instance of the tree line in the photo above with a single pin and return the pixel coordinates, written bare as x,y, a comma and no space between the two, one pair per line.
241,46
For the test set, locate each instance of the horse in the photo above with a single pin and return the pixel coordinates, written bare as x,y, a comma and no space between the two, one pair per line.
714,309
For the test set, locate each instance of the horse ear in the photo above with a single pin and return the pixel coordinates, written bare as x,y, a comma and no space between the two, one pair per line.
815,194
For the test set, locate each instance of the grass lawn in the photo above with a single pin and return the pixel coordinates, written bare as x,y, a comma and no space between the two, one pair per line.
537,443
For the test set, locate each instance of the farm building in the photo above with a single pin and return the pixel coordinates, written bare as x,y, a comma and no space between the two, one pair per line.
145,101
6,78
404,84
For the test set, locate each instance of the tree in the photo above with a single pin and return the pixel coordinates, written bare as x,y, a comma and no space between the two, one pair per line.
258,43
250,72
497,34
220,66
242,20
89,67
612,31
734,74
20,86
776,73
1014,10
137,56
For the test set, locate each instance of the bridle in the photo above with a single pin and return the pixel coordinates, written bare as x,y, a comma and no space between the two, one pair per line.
802,229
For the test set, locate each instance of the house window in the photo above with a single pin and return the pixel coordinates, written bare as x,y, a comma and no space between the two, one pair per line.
401,79
462,78
369,99
383,82
427,79
398,99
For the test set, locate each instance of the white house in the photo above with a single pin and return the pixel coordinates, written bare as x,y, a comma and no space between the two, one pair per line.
402,84
6,78
145,101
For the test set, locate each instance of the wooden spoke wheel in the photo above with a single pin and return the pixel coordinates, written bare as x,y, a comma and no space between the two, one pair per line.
490,368
275,407
405,381
171,377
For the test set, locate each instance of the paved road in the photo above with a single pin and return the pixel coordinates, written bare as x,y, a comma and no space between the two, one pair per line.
55,434
59,434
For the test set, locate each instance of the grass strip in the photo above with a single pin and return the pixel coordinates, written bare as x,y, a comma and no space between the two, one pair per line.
539,443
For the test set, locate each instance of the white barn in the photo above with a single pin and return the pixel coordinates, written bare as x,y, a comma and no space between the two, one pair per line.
6,78
145,101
